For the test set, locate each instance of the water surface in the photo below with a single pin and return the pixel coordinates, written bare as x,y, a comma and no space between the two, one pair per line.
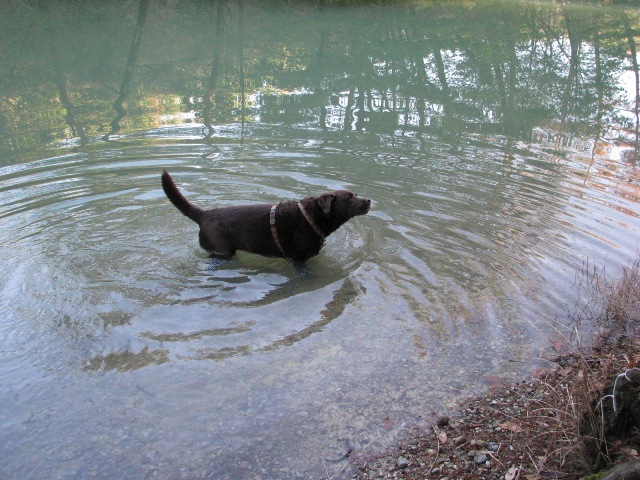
497,140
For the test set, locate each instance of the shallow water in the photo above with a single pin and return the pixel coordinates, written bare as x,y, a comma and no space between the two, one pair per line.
126,352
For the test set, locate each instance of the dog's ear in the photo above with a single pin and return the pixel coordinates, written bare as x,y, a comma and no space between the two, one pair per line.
325,201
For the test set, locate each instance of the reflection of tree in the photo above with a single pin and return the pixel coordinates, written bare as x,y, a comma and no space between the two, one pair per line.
598,81
125,86
214,75
495,66
634,62
77,129
243,99
60,76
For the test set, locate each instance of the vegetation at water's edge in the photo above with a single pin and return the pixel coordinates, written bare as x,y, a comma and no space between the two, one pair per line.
578,420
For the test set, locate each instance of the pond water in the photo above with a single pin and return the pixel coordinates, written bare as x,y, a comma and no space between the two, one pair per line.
497,141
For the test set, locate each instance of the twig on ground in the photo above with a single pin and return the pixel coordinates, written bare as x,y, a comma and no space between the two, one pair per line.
435,460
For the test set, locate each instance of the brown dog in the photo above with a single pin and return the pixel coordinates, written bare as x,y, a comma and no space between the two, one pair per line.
289,229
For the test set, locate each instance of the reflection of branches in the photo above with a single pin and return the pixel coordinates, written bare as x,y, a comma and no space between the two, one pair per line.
4,125
77,129
598,82
442,78
241,62
574,62
501,70
348,112
360,111
60,80
125,86
320,61
209,97
634,62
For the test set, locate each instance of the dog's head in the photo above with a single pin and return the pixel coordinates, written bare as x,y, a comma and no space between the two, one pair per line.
341,205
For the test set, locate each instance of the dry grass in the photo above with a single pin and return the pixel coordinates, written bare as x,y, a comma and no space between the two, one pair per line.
586,415
608,307
601,416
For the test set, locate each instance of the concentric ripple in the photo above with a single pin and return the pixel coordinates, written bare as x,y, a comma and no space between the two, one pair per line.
119,329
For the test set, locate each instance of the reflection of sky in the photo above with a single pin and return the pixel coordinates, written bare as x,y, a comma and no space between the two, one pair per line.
628,85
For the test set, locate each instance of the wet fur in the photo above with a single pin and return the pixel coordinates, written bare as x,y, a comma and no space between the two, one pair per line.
246,227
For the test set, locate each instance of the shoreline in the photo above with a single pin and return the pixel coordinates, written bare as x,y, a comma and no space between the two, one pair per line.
528,430
579,419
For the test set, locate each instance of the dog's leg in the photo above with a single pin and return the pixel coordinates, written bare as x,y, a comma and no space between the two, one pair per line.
302,268
216,261
218,246
221,256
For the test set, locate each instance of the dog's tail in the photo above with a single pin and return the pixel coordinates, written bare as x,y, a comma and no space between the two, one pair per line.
181,203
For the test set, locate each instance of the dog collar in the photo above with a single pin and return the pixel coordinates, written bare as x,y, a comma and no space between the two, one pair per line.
310,221
274,233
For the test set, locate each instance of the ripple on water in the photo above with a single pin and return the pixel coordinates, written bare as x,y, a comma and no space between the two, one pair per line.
107,291
113,249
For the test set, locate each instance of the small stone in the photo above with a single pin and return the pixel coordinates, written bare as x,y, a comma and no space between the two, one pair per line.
459,441
443,421
480,458
402,462
478,443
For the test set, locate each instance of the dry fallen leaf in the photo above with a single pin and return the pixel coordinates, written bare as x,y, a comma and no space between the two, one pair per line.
512,427
442,436
388,424
511,474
